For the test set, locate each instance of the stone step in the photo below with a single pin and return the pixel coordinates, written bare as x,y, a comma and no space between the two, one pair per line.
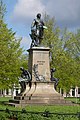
38,97
14,101
40,101
14,104
44,97
48,101
19,97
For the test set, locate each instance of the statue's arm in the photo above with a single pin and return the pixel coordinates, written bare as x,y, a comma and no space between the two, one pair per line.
33,25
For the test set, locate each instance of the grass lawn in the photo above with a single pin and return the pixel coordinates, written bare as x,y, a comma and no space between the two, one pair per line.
73,99
41,108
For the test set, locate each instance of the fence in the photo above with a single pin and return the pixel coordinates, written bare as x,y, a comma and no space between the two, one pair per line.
29,115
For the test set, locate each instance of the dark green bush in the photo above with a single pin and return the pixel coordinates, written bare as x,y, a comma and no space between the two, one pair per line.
4,116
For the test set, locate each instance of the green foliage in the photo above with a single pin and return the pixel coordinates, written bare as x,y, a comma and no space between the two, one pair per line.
24,61
64,53
74,99
72,68
2,9
5,115
34,112
10,53
41,108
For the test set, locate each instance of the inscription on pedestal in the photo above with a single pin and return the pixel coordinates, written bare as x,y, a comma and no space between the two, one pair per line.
40,62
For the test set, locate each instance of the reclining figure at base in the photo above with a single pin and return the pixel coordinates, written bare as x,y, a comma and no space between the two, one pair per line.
53,78
25,77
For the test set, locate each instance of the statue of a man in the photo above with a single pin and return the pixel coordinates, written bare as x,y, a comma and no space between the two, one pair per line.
53,78
37,30
25,76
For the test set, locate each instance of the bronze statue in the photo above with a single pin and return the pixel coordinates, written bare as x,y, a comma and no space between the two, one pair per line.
37,30
25,74
25,77
53,78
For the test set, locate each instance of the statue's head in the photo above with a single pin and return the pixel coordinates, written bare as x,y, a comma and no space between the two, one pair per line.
21,68
38,15
53,70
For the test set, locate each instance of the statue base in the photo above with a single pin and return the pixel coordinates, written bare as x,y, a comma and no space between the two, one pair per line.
39,93
42,91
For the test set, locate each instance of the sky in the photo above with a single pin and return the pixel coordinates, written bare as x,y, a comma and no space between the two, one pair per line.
20,14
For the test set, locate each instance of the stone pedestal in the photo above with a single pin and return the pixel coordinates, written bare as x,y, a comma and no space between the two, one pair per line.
39,92
39,56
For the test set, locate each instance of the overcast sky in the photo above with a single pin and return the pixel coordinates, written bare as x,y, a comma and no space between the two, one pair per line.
20,14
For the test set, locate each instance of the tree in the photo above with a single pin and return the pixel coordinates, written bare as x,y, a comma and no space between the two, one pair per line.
71,45
63,48
10,53
2,10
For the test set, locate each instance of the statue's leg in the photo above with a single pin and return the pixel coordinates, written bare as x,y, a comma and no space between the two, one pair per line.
40,36
40,40
27,89
33,42
22,86
41,31
36,41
